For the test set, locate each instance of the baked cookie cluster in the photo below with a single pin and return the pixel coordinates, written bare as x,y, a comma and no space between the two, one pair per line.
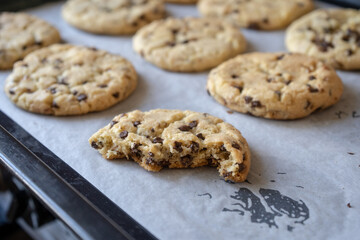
64,79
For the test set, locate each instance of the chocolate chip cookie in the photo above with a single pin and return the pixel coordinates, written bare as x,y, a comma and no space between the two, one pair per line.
332,35
175,139
188,44
113,17
275,85
65,80
20,34
256,14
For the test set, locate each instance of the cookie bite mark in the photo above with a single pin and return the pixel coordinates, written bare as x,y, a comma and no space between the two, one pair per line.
175,139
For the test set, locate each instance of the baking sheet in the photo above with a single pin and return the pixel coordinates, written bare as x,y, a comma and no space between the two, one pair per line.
303,175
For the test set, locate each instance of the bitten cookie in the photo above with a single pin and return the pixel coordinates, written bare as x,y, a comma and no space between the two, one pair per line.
256,14
188,44
332,35
275,85
20,34
65,80
113,17
175,139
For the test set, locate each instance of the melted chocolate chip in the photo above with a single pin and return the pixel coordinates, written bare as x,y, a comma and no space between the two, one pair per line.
194,146
312,89
234,76
311,77
248,99
199,135
349,52
81,97
124,134
322,44
254,26
97,145
185,128
54,105
113,123
136,123
186,160
222,148
238,87
174,31
178,147
115,95
235,145
256,104
280,57
102,86
158,140
241,167
193,124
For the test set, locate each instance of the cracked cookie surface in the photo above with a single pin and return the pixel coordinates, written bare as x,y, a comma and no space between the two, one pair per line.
188,44
332,35
256,14
175,139
66,80
20,34
275,85
113,17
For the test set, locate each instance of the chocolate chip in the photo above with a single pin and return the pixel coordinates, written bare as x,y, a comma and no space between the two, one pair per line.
62,80
177,146
234,76
199,135
278,93
311,77
207,90
136,123
235,145
212,161
151,154
222,148
254,26
39,43
248,99
265,20
186,160
124,134
308,103
75,92
256,104
174,31
171,44
52,90
152,130
158,140
312,89
54,105
102,85
135,151
280,57
194,146
115,95
150,161
238,87
241,167
113,123
193,124
322,44
185,128
270,79
288,82
97,145
349,52
12,91
142,17
81,97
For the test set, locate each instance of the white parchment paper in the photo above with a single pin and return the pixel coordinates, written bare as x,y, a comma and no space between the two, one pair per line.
303,174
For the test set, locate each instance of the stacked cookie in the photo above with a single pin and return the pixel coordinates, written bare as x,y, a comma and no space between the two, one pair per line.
64,79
